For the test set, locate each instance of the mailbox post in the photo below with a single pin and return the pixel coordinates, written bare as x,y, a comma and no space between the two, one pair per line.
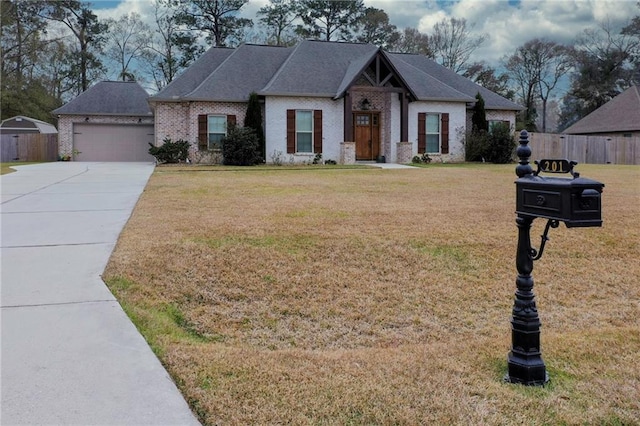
574,201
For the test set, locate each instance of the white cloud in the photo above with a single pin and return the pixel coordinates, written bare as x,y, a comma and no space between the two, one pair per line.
508,23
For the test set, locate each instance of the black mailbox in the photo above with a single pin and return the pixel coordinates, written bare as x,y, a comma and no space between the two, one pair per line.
574,201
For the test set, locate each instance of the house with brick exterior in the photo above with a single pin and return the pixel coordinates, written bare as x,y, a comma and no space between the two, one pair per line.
110,121
349,102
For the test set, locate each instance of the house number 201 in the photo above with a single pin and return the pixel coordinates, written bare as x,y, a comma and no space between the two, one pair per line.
554,166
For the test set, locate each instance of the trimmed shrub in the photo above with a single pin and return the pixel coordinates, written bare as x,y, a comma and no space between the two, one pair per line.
496,146
169,151
476,146
502,144
241,147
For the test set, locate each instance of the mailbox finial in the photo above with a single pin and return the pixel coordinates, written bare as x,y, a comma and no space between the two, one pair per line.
524,152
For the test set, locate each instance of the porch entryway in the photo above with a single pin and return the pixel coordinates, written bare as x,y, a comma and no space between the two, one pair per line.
366,131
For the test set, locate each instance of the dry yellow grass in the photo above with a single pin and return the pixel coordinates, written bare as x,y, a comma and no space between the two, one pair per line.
374,296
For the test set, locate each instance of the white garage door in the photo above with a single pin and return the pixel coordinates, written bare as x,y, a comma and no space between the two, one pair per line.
112,142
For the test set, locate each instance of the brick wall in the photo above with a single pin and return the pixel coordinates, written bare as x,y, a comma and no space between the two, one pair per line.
179,120
347,153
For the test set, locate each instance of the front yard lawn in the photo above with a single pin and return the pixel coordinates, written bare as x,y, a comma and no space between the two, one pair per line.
368,296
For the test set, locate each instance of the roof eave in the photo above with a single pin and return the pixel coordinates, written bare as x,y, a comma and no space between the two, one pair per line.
440,99
298,95
102,114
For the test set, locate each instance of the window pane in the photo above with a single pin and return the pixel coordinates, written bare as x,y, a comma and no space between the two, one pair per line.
362,120
304,142
433,123
217,124
304,121
215,140
433,143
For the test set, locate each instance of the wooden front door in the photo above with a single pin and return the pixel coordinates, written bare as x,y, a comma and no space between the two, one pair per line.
366,131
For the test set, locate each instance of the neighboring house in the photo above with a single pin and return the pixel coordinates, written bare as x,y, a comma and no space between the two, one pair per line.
618,117
21,125
110,121
349,102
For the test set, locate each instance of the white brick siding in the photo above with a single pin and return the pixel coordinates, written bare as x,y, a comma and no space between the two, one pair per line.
457,121
276,126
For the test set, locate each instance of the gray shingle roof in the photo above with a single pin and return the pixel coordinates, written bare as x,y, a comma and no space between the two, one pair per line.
314,68
109,98
620,114
193,76
455,81
425,86
247,69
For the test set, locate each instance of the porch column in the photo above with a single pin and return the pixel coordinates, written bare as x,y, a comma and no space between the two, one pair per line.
404,117
348,117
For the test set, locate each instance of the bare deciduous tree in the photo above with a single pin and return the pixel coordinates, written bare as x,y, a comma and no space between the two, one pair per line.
413,41
127,43
453,44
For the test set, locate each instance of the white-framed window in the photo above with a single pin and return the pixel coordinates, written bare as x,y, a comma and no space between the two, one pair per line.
216,129
304,131
432,131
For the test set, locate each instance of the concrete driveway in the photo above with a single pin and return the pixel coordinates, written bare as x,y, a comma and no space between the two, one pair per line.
69,353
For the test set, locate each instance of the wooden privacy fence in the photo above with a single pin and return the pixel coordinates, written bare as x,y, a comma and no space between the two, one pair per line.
29,147
585,149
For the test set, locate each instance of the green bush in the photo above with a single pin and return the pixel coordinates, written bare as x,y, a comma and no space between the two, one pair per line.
496,146
502,146
169,151
476,146
241,147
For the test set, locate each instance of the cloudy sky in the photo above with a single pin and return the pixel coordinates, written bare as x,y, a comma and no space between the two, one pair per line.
509,23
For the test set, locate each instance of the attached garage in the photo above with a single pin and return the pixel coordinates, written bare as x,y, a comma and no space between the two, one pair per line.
111,121
112,142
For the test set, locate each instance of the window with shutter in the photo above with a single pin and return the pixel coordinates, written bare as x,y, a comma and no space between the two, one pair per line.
212,128
433,133
304,131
